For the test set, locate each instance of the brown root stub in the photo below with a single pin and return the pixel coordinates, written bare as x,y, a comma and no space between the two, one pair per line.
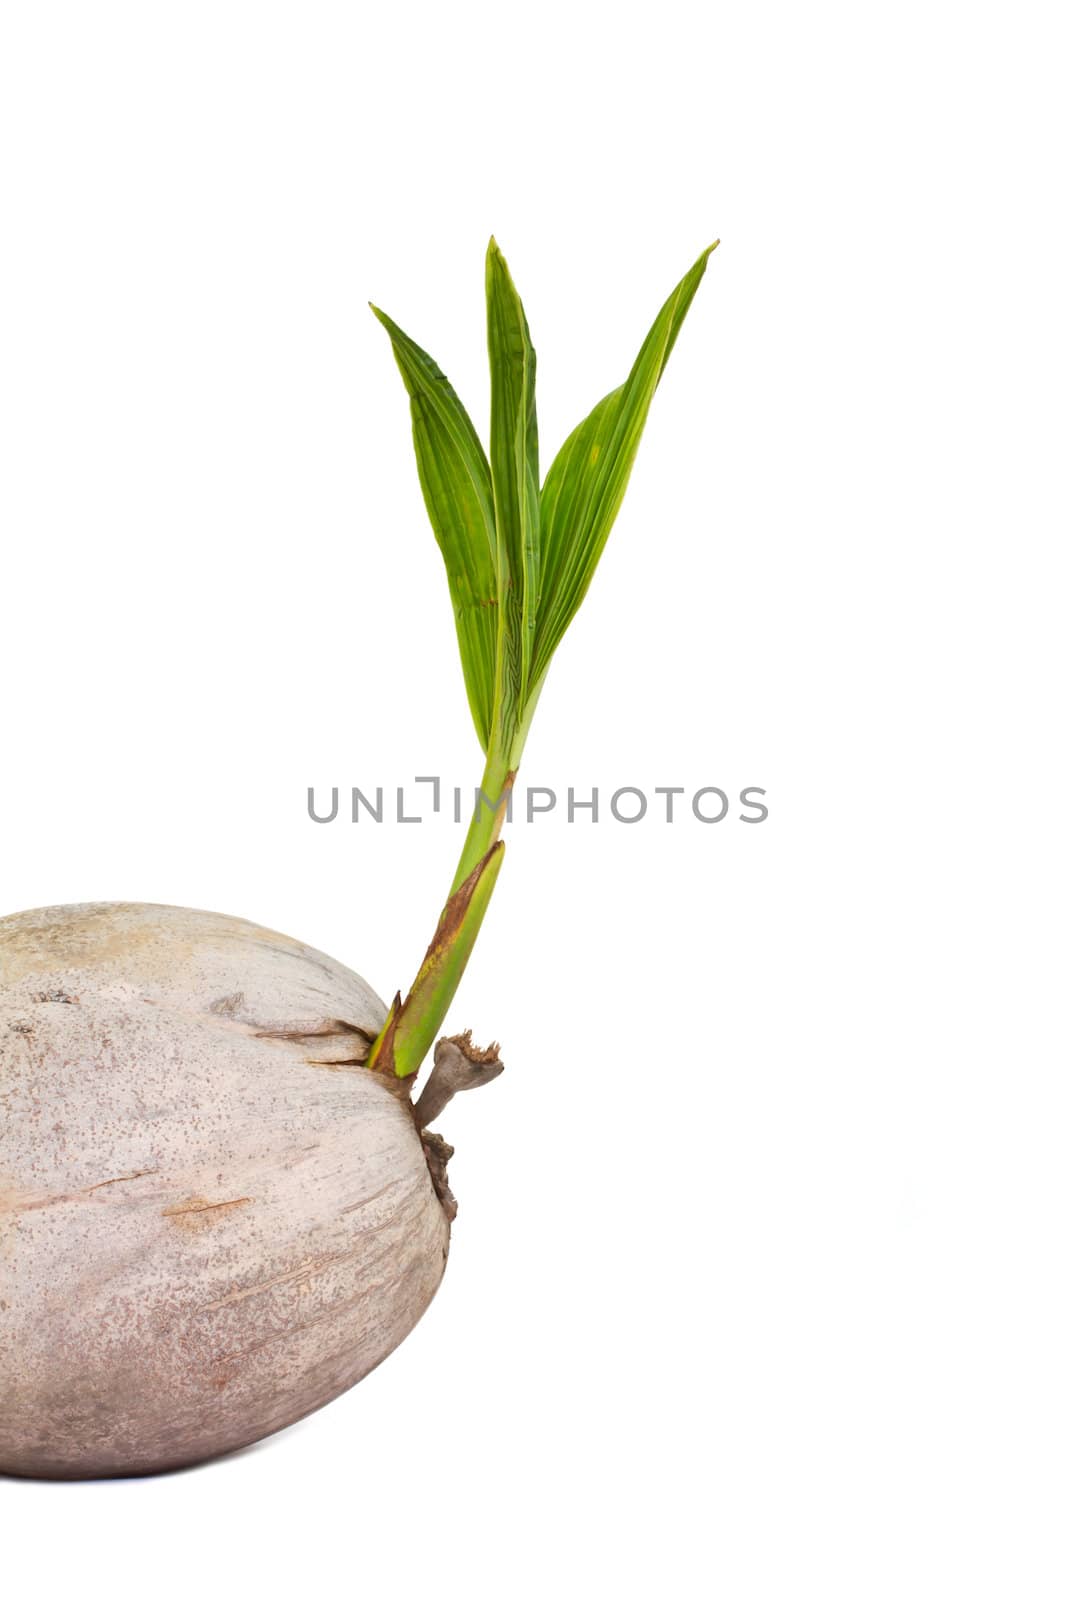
438,1153
458,1064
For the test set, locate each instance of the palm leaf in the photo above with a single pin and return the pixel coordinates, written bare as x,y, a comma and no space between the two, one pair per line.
457,489
586,483
516,481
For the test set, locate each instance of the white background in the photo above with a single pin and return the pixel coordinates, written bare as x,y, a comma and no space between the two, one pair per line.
757,1288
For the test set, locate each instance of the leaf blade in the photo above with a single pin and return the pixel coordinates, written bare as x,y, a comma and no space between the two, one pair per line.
514,465
457,490
586,483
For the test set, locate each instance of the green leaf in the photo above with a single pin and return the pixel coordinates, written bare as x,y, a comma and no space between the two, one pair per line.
457,488
586,483
516,483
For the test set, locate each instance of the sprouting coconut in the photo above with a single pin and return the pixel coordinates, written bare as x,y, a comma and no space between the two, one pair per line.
220,1201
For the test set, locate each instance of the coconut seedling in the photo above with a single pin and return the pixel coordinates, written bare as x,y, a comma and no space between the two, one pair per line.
220,1200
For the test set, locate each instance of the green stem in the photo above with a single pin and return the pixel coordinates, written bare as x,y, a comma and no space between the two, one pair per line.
413,1024
501,766
490,811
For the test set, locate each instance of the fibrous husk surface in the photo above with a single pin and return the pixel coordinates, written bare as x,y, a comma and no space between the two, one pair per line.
213,1217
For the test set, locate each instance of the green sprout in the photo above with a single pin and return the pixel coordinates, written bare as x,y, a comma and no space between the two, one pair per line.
520,554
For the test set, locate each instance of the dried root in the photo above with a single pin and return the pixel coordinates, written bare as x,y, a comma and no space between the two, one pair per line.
458,1064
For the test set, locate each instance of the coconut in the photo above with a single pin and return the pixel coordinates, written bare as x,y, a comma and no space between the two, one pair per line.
219,1206
213,1217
